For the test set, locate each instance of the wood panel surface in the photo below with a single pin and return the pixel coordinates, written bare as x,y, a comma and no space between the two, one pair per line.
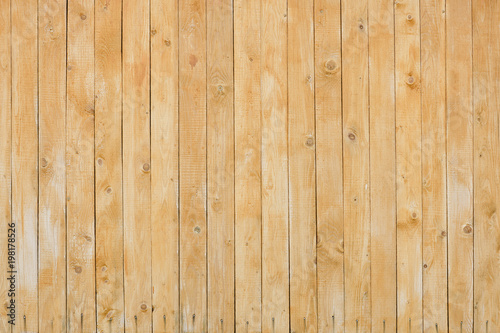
249,166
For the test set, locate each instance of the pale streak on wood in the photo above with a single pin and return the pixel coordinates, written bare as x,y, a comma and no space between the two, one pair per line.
382,165
408,167
137,165
80,167
301,164
329,177
275,288
433,90
52,171
248,205
356,156
108,167
24,160
486,71
165,162
193,181
220,166
460,142
5,150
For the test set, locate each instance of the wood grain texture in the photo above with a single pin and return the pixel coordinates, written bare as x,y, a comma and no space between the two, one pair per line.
460,160
250,166
108,167
301,166
486,102
220,166
248,175
434,219
274,152
25,160
356,162
137,165
52,171
165,164
193,165
80,124
329,173
382,165
5,151
408,166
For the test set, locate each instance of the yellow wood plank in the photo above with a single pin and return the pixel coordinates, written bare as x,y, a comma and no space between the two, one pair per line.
460,129
108,167
433,92
356,165
275,287
52,171
220,166
80,167
486,69
301,164
136,165
248,204
382,166
330,211
408,167
25,160
164,158
192,167
5,155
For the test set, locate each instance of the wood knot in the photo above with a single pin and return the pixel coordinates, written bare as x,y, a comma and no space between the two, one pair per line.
153,32
361,26
468,229
100,161
443,233
43,162
410,80
330,65
167,42
109,190
409,17
352,136
425,265
144,307
145,167
78,269
414,215
197,229
309,142
83,17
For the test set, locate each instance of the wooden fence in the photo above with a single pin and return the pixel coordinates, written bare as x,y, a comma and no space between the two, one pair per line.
250,166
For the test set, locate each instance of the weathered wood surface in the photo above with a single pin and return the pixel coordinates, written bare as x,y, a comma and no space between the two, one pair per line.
250,166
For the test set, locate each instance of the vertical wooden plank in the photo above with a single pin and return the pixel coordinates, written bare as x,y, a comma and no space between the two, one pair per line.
136,165
80,167
356,165
460,162
5,155
408,159
486,70
247,125
274,127
220,166
329,177
25,161
52,172
165,162
302,173
433,90
192,166
382,165
108,167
